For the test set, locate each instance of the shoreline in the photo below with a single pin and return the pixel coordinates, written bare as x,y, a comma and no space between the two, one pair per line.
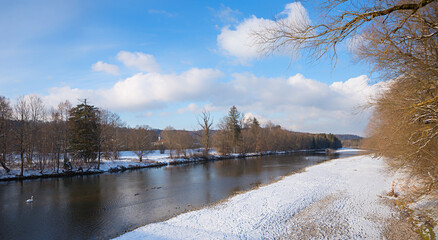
341,198
121,166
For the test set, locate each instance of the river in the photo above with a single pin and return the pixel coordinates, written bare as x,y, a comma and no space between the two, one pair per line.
106,205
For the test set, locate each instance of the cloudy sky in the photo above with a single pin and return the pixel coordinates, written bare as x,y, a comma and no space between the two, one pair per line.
161,62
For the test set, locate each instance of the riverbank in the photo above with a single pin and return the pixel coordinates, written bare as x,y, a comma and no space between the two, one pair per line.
129,161
339,199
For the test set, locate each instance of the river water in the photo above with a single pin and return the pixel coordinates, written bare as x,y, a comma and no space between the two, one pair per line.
106,205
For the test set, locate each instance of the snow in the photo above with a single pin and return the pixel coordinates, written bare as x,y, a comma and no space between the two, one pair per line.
427,205
108,165
26,173
349,150
422,205
126,160
129,160
339,199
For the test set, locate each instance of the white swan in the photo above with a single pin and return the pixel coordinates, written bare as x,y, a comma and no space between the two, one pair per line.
29,200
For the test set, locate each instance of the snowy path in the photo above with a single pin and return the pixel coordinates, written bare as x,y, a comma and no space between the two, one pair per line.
334,200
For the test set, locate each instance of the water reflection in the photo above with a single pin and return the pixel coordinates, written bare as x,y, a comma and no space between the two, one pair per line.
104,206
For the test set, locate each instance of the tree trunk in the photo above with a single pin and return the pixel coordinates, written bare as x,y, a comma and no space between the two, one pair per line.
22,163
57,161
3,163
98,159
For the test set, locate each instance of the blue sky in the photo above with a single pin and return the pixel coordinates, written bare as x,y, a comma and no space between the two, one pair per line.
161,62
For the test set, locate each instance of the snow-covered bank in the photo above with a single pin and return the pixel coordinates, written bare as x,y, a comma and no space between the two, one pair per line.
340,199
126,161
420,202
129,160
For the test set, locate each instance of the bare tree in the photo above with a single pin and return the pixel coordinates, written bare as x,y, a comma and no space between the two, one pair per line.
5,126
223,138
114,143
105,133
22,117
398,38
183,142
142,140
340,20
251,133
36,115
206,122
403,129
56,131
59,120
168,136
36,141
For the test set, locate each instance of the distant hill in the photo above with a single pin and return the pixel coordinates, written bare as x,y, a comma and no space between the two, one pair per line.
350,140
348,137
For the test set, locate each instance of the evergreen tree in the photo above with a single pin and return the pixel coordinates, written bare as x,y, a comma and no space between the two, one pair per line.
255,123
233,123
228,138
255,132
334,141
84,132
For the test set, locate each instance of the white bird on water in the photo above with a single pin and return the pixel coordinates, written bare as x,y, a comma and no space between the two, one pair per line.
30,200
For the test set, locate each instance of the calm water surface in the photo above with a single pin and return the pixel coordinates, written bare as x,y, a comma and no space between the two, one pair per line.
105,206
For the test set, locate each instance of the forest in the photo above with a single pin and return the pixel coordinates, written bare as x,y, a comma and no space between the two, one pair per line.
33,137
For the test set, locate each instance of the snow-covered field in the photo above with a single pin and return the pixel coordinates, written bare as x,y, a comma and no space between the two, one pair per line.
340,199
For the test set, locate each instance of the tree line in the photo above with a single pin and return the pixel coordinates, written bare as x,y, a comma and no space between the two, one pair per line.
32,137
236,134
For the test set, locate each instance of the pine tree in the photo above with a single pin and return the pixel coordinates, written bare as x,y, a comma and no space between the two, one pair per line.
334,141
229,136
233,121
255,131
83,131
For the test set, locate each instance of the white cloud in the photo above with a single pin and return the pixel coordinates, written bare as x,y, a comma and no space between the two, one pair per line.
105,67
302,104
142,61
295,102
297,90
357,89
249,116
60,94
192,108
227,15
146,90
240,41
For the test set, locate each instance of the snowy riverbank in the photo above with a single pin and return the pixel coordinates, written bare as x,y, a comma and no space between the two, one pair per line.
129,160
339,199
